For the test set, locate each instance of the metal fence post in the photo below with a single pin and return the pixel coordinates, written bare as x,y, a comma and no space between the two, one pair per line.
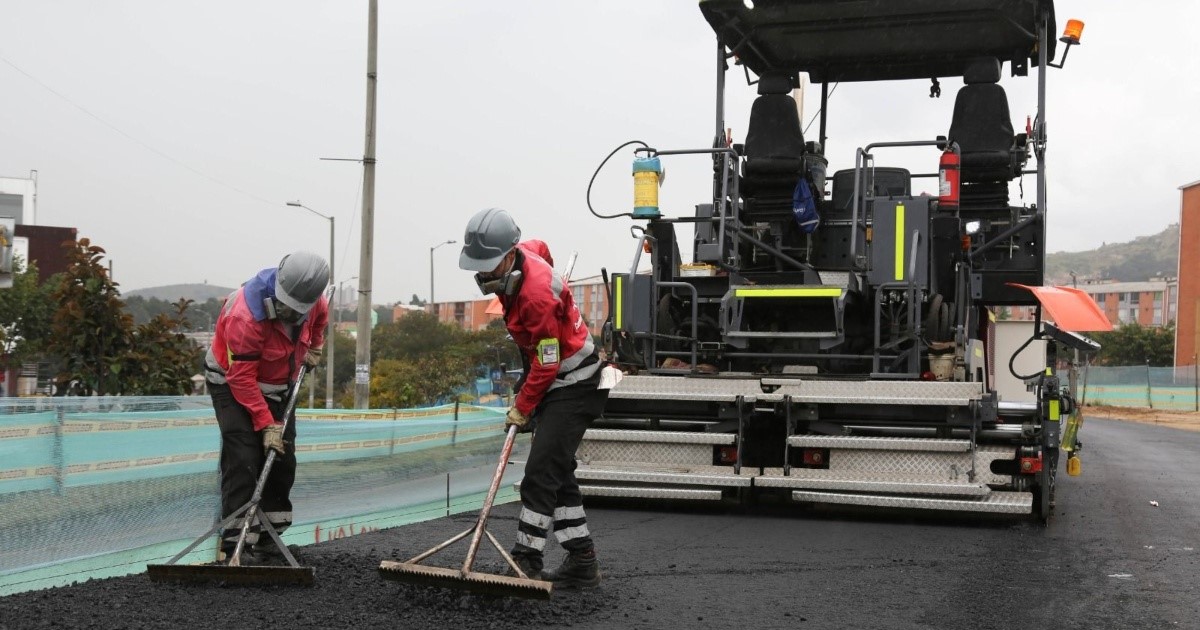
1087,366
454,436
1195,383
1149,400
58,453
392,442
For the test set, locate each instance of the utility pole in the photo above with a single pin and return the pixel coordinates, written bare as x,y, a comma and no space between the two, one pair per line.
362,352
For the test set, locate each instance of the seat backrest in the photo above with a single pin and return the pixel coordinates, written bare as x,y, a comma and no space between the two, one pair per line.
889,182
774,128
981,118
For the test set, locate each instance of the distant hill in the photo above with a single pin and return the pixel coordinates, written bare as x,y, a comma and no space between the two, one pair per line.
1140,259
173,292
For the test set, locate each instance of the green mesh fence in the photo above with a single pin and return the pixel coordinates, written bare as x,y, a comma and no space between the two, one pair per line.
92,488
1167,388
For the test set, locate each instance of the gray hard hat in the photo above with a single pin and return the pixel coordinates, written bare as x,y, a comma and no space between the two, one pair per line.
300,280
491,234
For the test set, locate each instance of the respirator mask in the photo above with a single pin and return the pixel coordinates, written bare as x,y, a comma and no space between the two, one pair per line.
505,284
282,312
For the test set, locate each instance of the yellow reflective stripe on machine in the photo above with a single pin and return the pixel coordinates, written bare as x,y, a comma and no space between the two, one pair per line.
899,241
1054,412
792,292
618,292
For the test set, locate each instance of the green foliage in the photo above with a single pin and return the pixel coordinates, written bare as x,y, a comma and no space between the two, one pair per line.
100,349
1133,344
412,383
91,330
343,368
418,360
160,361
26,310
412,336
204,314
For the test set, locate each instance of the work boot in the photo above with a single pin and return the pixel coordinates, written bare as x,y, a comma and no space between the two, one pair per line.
249,558
268,553
530,563
578,570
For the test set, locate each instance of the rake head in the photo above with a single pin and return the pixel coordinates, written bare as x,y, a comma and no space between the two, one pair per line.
475,582
243,575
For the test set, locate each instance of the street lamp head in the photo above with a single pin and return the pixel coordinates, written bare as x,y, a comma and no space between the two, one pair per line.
295,204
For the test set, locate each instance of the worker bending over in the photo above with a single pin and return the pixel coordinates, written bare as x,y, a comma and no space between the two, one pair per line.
266,329
558,393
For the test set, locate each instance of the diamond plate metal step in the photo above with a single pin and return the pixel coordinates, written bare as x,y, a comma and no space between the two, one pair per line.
996,502
878,392
697,476
649,387
809,479
640,492
708,389
662,437
880,443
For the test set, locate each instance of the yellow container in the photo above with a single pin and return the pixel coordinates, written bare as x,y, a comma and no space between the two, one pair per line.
1074,468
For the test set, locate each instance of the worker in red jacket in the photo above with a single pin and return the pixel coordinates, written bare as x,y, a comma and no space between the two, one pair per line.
266,329
559,395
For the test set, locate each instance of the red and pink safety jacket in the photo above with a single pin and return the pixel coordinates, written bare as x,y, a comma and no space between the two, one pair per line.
545,323
256,356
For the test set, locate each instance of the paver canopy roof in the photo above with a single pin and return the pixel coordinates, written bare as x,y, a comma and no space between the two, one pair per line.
877,40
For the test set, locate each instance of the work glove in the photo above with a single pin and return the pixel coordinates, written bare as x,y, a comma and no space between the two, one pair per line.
272,438
517,419
313,358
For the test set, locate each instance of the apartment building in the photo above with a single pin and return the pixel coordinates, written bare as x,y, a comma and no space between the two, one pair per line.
589,295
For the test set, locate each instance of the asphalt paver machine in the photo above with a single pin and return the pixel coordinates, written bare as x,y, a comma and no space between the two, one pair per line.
832,337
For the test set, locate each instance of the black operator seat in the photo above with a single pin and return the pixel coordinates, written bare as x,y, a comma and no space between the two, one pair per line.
982,127
774,149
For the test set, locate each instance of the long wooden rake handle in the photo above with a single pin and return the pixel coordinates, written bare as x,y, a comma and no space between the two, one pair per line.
481,524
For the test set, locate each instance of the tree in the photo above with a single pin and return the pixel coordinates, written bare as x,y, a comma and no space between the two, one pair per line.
160,361
100,349
90,330
414,383
413,336
343,367
416,301
1134,344
26,310
419,360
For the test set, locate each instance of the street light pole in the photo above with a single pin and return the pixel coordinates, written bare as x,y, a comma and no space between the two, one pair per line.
431,249
329,341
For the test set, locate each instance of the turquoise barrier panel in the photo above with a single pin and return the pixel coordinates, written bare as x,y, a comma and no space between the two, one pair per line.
28,450
1166,388
98,488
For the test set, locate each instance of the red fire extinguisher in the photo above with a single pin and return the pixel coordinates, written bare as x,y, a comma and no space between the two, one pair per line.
949,179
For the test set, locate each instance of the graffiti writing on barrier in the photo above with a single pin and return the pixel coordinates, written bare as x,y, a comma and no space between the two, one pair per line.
341,531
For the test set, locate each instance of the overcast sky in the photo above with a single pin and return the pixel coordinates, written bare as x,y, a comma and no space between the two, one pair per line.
173,133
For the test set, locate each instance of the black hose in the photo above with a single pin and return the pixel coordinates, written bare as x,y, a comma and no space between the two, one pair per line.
1012,369
593,180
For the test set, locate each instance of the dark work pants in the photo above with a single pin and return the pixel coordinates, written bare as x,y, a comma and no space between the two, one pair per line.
550,498
242,460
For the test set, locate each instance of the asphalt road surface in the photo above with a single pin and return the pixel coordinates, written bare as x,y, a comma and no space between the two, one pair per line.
1108,559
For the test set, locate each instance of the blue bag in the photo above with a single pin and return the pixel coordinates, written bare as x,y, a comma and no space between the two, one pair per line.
804,207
